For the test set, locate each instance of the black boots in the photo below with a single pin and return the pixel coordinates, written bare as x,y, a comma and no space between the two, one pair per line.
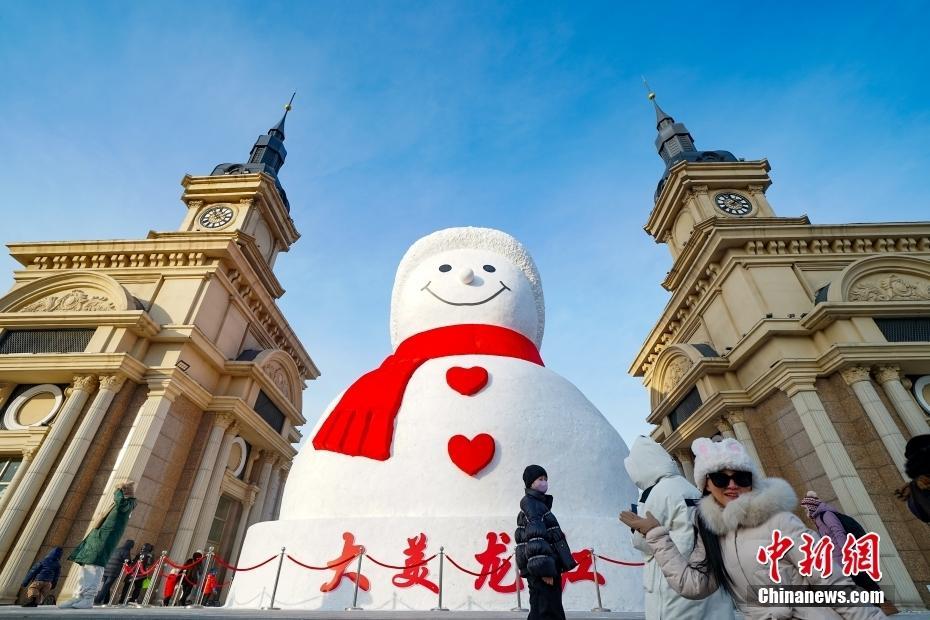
32,602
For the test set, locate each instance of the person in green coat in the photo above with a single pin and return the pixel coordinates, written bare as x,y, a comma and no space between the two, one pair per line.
94,551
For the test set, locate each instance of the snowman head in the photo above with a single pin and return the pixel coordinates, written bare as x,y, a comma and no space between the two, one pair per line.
467,275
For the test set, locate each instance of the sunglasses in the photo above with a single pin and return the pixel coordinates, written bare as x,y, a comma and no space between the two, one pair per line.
722,480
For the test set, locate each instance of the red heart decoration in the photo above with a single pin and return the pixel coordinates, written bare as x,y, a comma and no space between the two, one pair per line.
467,381
471,455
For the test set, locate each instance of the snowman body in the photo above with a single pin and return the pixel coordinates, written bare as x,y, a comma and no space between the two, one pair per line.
465,429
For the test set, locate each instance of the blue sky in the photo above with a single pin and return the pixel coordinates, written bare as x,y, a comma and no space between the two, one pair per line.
410,117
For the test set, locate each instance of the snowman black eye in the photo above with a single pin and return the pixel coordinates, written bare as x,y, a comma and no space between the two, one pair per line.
445,268
490,268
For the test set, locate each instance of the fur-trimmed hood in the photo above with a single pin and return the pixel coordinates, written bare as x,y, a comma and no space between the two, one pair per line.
768,497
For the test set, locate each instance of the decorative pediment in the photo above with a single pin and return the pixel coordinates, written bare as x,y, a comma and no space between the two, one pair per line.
75,300
69,292
283,372
883,278
891,287
675,370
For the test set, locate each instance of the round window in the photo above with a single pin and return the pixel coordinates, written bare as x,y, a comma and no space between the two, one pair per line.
238,452
34,407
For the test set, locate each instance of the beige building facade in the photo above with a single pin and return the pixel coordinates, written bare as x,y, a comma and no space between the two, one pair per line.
808,343
164,360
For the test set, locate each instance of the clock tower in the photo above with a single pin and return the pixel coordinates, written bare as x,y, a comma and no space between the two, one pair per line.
810,344
246,200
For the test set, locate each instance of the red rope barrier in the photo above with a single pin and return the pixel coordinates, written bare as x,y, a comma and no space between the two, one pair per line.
220,561
184,566
307,566
620,562
474,574
426,561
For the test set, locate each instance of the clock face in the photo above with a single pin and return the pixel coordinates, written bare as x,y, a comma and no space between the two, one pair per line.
216,216
732,203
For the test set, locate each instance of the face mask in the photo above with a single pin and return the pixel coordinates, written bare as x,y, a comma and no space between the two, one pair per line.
541,485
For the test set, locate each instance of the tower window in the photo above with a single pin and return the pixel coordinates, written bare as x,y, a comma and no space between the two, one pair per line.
45,341
909,329
8,467
269,412
684,410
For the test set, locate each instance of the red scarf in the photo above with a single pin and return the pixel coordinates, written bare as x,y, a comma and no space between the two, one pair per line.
362,423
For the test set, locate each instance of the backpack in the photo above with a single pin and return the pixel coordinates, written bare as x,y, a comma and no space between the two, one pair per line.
851,525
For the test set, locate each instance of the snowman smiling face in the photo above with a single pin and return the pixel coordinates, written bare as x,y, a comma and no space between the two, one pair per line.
465,286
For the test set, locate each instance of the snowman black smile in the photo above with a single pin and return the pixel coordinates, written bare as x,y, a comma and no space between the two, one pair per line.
503,288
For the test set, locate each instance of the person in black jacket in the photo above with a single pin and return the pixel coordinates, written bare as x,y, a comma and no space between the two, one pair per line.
42,578
191,578
542,552
917,467
145,559
112,570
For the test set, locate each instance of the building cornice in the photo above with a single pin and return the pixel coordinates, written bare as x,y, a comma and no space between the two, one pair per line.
735,241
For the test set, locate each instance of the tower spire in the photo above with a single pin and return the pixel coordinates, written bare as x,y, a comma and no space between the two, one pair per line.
278,130
674,139
674,142
267,155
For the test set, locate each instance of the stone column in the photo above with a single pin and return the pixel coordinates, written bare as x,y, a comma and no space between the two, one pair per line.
850,491
5,390
911,414
132,458
36,527
738,420
247,507
725,429
857,377
28,454
285,471
272,495
687,465
194,505
264,479
214,490
31,483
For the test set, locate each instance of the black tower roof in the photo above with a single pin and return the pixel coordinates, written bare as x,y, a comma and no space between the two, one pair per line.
268,154
674,144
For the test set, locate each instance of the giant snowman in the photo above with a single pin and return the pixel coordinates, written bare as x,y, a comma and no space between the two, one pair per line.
428,450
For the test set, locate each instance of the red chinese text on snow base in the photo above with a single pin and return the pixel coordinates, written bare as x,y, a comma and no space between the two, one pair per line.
494,569
362,422
583,571
471,455
860,555
340,564
416,572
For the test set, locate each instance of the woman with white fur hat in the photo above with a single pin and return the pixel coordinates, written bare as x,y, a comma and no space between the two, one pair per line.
736,516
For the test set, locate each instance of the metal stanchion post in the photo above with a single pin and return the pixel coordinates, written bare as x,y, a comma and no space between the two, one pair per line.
207,560
442,555
358,577
132,582
178,588
114,594
519,582
597,585
277,575
156,576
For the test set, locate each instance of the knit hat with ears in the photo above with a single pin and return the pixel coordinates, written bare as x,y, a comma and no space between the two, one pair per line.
811,501
713,456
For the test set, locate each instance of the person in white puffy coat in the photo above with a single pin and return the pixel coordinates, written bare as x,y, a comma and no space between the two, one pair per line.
666,494
736,516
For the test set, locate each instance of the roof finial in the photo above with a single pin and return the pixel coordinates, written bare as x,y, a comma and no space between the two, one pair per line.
279,128
661,116
650,94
